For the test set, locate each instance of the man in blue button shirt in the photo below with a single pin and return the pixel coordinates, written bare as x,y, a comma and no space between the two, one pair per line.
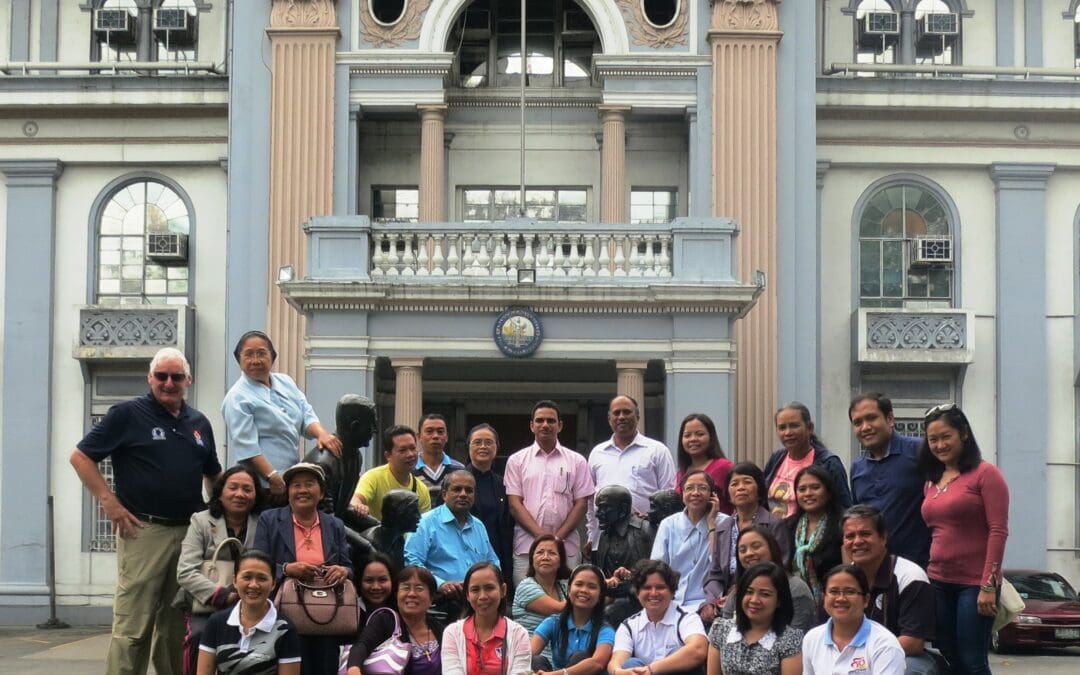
886,476
449,539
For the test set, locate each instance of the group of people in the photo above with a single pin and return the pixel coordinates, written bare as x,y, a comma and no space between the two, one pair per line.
633,560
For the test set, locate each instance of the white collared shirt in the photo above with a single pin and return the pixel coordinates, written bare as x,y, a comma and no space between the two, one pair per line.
644,467
873,651
650,641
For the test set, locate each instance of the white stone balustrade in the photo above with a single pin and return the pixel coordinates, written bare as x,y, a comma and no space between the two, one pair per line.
558,250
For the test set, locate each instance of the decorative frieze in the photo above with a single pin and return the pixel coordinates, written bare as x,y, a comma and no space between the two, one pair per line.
303,14
913,336
124,333
745,15
406,28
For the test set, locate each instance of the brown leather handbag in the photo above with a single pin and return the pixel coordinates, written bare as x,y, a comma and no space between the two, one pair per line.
319,609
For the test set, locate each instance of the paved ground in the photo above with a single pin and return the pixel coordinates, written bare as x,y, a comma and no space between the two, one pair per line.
81,651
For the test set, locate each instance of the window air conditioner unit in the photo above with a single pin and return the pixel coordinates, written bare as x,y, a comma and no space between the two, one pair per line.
175,23
939,24
881,23
116,25
931,251
167,249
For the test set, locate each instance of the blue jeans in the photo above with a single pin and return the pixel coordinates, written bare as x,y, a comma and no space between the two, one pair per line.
963,635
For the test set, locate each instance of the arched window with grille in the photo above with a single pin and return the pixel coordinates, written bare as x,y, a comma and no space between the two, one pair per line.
906,246
142,228
929,35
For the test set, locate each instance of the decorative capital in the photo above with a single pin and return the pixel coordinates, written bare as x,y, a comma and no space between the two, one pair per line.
745,15
303,14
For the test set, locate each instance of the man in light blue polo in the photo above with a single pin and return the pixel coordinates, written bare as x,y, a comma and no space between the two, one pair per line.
432,464
449,539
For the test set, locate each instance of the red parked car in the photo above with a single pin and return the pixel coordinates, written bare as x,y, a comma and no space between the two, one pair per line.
1052,615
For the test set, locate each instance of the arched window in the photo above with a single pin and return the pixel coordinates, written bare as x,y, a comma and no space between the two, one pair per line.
937,33
560,40
932,37
142,245
905,248
877,31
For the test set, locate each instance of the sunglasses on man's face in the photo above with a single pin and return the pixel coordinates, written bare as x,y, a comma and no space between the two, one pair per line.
177,378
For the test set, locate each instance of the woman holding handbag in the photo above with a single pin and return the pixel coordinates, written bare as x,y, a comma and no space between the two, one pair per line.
403,642
309,547
225,528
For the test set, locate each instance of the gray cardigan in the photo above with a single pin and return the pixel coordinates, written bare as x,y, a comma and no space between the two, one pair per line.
204,534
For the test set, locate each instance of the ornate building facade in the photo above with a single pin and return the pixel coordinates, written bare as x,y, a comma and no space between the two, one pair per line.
716,206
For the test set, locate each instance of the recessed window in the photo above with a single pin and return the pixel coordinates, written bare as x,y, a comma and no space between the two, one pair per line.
142,246
481,205
169,30
905,249
660,13
652,206
932,37
560,40
389,204
387,12
937,33
877,30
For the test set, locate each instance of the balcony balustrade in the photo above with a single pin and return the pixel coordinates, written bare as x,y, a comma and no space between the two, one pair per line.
916,336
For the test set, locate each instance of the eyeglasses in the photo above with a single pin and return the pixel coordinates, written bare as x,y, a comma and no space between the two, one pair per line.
177,378
482,443
697,488
255,354
943,408
843,592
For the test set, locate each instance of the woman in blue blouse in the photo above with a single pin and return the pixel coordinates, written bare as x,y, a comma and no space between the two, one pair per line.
265,414
579,640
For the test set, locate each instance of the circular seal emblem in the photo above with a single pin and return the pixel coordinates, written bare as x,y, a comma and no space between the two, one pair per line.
518,332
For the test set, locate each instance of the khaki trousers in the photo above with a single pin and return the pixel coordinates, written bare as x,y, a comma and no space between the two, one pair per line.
145,588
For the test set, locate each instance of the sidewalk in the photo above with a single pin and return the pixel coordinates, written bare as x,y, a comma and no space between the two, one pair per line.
81,651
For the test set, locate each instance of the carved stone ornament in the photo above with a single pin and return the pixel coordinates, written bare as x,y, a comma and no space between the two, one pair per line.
405,28
745,15
303,14
644,33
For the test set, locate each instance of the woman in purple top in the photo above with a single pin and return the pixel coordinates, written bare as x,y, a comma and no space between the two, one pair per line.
415,590
966,507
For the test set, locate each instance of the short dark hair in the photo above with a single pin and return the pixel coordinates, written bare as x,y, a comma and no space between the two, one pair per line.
698,472
393,432
628,397
804,413
546,403
882,401
480,427
754,471
646,568
247,336
970,455
421,573
853,570
255,554
564,571
468,610
785,608
869,513
217,509
430,416
712,451
444,484
776,554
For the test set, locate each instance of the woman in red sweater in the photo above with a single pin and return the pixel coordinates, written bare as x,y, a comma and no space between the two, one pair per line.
966,507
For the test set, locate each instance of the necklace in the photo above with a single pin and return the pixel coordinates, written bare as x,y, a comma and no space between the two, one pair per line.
307,531
941,487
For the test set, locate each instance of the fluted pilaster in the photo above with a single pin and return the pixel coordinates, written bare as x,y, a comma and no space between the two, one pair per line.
432,163
303,37
613,164
408,390
631,382
743,36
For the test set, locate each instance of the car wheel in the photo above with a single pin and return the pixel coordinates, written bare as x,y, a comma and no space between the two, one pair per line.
995,643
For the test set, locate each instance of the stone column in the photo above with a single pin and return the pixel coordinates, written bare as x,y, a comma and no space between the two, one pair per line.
743,38
631,382
432,165
408,390
30,258
1023,368
303,39
906,50
613,164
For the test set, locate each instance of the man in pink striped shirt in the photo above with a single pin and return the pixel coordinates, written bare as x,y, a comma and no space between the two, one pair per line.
549,487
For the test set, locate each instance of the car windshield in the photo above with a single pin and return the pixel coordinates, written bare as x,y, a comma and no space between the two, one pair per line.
1046,586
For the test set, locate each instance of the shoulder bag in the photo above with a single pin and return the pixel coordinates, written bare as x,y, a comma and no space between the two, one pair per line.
1009,604
390,657
220,572
318,608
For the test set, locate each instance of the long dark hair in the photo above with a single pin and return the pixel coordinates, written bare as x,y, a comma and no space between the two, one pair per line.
217,509
712,450
563,571
785,609
833,509
596,619
468,610
970,455
763,531
378,557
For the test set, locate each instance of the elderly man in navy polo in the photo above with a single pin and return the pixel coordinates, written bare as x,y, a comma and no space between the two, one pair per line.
886,476
163,454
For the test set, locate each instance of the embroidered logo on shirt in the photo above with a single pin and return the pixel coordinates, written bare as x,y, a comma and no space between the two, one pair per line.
858,663
198,438
157,433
